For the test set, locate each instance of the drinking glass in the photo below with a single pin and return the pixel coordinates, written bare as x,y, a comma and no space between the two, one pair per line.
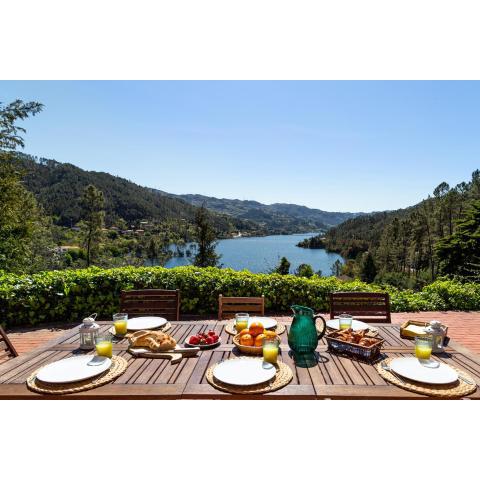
103,346
120,323
270,350
241,321
344,321
423,351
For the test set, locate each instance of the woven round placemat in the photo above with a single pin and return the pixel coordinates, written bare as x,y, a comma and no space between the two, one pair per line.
230,328
282,378
119,365
165,328
454,390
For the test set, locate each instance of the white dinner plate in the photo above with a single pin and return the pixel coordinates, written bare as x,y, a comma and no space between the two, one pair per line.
267,322
145,323
244,371
356,324
411,368
72,369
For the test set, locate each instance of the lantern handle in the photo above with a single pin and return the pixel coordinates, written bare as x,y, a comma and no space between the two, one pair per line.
93,316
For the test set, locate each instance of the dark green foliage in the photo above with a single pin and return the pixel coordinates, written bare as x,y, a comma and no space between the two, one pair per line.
459,253
10,133
206,240
283,268
368,270
304,270
318,241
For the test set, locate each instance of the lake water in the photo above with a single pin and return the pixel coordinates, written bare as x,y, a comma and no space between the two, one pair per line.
261,254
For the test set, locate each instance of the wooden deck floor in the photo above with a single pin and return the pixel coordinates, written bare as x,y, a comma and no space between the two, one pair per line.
463,327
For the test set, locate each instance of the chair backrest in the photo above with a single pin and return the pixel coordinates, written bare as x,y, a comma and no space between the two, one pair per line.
373,307
154,302
7,350
229,306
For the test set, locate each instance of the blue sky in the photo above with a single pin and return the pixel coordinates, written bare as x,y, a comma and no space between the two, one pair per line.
344,146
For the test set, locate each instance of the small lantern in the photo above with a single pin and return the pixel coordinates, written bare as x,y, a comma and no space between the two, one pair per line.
438,333
88,332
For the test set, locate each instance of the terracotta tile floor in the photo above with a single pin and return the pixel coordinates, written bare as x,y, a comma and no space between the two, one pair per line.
463,327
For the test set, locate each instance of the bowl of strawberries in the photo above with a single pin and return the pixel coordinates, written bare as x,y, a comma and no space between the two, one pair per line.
204,340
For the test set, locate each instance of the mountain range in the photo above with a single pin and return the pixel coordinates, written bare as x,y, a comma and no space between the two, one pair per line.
58,188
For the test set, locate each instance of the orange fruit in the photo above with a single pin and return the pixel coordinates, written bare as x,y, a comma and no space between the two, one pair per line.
245,331
256,328
246,340
259,340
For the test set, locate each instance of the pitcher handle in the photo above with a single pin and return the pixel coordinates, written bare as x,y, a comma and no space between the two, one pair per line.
324,329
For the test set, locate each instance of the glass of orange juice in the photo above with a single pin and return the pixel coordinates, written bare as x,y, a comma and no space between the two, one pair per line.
103,346
270,350
241,321
423,351
120,323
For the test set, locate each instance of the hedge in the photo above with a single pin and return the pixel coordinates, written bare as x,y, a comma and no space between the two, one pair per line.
69,295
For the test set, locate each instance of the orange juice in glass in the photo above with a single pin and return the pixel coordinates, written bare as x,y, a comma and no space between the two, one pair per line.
270,350
104,347
423,351
241,321
120,323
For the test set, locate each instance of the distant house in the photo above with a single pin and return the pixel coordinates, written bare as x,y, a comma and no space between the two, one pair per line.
66,248
139,232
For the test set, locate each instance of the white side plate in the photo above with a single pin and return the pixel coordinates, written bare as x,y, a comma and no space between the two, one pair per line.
411,368
267,322
244,371
72,369
145,323
356,324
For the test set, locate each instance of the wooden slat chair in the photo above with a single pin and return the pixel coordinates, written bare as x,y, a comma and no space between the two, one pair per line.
365,306
229,306
154,302
7,350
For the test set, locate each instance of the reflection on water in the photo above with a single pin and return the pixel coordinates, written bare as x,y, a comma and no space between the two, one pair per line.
262,254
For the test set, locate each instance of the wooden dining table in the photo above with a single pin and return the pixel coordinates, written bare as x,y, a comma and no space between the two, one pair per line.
333,377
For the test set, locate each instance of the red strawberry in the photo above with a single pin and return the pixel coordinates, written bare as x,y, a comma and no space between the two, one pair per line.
211,333
215,338
209,340
194,340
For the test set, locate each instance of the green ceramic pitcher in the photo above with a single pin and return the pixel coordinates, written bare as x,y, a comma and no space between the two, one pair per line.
303,336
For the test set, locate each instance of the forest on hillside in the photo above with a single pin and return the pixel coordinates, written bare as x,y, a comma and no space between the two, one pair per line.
413,246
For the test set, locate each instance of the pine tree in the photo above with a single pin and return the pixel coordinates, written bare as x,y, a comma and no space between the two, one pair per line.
25,240
460,253
283,268
206,240
93,205
368,270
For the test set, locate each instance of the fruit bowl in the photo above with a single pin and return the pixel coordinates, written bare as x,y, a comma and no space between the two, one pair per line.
249,350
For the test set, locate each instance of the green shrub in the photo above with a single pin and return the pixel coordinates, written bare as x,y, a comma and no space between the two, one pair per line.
69,295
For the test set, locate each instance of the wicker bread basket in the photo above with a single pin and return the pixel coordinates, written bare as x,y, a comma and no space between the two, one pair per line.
246,349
